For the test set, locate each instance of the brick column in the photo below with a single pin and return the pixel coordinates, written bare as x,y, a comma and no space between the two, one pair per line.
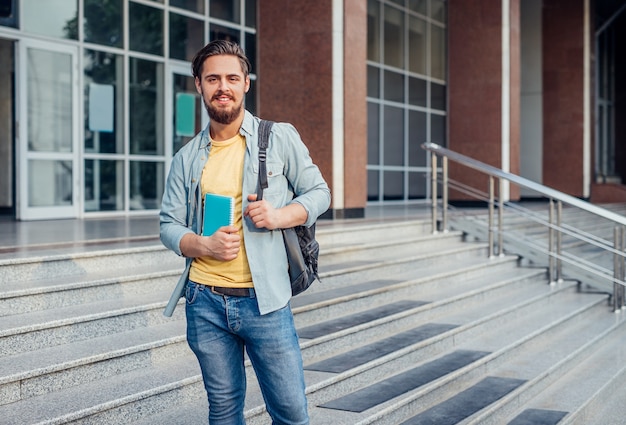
296,85
483,76
563,95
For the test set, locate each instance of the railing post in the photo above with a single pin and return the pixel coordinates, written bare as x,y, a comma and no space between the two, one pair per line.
618,268
500,218
491,206
551,258
559,244
433,190
444,194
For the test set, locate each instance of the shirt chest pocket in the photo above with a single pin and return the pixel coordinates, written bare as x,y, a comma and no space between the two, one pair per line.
277,187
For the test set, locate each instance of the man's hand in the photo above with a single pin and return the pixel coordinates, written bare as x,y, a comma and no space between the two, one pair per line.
222,245
264,215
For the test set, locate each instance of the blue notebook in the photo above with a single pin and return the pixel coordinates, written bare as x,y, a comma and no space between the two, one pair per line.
219,210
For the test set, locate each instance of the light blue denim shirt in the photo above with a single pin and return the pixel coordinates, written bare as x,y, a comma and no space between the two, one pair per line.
292,177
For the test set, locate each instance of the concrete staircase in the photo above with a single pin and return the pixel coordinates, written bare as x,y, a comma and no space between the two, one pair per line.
406,327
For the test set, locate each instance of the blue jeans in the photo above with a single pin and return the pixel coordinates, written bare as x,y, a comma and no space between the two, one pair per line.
218,329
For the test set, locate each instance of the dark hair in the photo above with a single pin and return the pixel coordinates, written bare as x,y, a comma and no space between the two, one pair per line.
220,47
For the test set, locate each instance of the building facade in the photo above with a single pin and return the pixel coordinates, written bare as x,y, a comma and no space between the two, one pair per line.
96,96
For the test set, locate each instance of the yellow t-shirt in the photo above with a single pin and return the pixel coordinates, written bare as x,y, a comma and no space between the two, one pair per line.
223,174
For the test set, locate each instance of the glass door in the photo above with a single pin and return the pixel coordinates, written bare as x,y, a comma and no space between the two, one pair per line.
49,178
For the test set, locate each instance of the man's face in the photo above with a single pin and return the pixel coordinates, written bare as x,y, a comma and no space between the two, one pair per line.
223,87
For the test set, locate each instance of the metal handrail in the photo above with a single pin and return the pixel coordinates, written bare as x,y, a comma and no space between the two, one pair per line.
554,225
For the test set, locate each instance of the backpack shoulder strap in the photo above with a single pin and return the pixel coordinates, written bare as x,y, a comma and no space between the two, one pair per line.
265,127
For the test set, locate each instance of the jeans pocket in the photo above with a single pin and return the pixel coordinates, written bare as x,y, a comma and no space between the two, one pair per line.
191,292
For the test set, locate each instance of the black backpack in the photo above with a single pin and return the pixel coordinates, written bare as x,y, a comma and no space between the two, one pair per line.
300,245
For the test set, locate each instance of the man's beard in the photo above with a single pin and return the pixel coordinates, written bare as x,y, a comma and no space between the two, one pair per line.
223,116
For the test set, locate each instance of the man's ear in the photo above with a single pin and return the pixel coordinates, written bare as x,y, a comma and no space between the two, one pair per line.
196,80
247,84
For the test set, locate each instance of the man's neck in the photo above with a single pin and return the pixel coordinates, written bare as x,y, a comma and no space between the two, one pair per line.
220,132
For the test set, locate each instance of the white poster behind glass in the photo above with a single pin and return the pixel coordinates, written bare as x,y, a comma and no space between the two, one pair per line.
101,108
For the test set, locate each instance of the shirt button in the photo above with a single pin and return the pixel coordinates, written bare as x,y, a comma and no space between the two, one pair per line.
269,174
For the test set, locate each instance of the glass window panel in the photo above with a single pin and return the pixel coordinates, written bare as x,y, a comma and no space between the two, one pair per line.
438,52
373,30
417,45
193,5
227,10
251,13
438,96
438,10
186,36
393,138
104,185
417,136
373,82
145,29
393,186
49,183
146,107
104,72
394,37
438,129
184,84
417,185
103,22
146,185
220,32
373,143
418,6
373,189
394,86
417,91
50,120
54,18
251,51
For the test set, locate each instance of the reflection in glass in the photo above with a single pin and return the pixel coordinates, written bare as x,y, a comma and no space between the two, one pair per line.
146,107
394,86
186,36
104,70
104,185
417,185
438,96
417,45
417,91
418,6
373,30
438,129
393,187
49,183
145,29
251,13
49,101
251,51
438,52
227,10
103,22
373,130
146,185
394,37
372,185
193,5
438,10
184,84
417,136
394,136
54,18
220,32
